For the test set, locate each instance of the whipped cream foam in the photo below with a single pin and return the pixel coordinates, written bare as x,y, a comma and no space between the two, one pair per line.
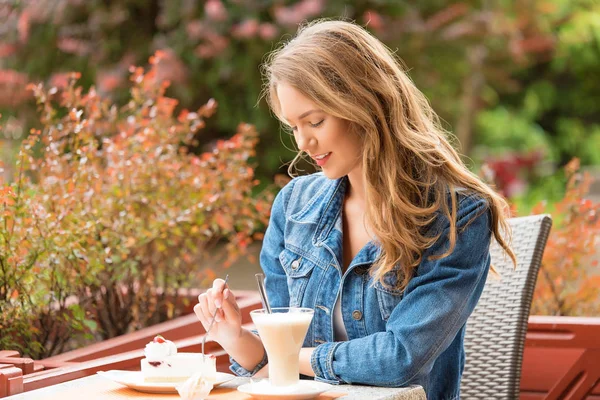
159,351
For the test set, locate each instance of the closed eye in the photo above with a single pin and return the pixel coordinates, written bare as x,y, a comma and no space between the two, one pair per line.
318,124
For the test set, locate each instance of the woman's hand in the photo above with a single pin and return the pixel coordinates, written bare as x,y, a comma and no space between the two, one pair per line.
228,323
241,344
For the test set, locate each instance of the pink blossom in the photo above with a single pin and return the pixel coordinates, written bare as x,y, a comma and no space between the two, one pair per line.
205,51
73,46
59,80
107,81
214,45
373,20
195,29
215,10
267,31
285,16
245,30
7,49
171,68
309,8
219,42
11,77
23,26
515,188
293,15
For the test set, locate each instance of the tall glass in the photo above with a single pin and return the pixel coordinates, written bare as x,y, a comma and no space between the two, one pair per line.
282,333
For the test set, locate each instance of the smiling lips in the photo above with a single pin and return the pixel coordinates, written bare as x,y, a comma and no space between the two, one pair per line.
322,158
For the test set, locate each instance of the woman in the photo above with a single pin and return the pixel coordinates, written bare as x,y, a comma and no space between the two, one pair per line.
389,244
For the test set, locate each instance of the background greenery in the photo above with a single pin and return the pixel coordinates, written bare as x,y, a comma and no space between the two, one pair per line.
515,82
507,77
96,238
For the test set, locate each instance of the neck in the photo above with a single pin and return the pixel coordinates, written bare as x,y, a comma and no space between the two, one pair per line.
356,187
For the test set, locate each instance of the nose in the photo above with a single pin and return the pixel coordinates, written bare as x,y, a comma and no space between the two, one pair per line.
304,141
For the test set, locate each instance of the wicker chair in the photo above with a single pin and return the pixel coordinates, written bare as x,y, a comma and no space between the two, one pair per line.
496,330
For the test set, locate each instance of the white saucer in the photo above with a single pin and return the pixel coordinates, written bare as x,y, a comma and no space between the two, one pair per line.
135,380
303,390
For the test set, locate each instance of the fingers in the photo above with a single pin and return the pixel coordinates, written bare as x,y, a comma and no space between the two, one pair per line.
201,309
230,307
219,286
210,298
215,295
211,302
220,315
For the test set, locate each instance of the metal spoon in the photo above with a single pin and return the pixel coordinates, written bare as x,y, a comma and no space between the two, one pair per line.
260,279
211,322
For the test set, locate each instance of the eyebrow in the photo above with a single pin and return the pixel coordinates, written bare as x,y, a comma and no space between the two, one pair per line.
306,114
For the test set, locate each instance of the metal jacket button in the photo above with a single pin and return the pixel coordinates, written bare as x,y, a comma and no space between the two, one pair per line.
357,315
295,264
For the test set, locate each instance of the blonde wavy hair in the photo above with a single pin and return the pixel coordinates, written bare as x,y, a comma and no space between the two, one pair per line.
407,159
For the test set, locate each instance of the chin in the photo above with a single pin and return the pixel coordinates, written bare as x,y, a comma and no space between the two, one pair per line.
333,175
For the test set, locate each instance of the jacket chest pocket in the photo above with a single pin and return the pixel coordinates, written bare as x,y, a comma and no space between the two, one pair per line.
298,270
388,296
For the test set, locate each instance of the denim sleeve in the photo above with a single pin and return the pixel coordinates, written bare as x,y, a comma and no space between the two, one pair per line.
436,304
275,277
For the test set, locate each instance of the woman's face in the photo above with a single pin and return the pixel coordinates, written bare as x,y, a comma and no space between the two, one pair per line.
328,140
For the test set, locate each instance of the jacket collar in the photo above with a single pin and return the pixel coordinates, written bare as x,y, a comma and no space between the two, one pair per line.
325,210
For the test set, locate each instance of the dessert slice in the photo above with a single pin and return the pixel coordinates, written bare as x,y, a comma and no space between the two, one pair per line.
164,364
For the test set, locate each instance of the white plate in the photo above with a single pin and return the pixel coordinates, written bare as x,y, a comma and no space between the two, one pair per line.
135,380
303,390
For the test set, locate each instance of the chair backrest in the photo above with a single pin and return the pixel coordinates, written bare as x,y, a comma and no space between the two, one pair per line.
496,330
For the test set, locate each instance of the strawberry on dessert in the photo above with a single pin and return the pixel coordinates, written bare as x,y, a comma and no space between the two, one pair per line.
164,364
159,348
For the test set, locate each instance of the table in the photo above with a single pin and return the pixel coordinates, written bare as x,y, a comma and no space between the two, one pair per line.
96,387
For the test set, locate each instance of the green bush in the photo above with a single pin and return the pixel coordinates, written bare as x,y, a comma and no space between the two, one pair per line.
529,68
111,213
569,278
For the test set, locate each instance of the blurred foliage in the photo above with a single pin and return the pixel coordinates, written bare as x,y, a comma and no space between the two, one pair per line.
36,316
110,213
516,82
505,75
569,279
552,102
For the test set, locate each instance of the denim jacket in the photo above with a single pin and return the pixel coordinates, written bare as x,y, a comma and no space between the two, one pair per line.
395,338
